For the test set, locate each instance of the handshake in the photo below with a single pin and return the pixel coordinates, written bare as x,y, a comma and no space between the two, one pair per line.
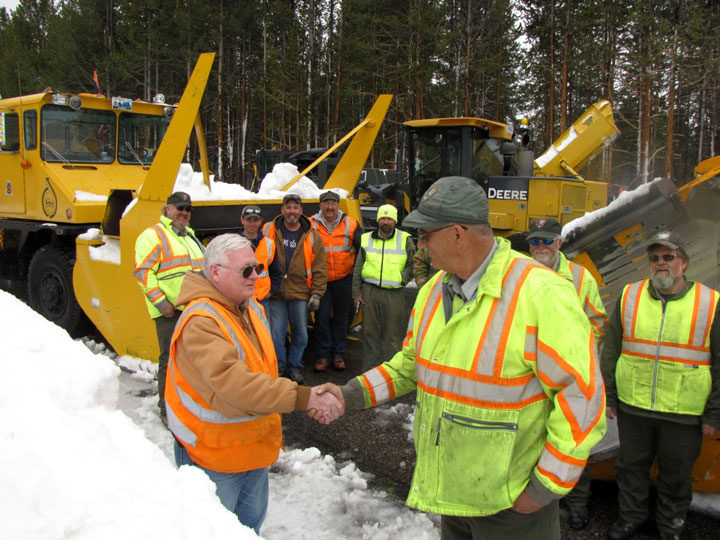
326,403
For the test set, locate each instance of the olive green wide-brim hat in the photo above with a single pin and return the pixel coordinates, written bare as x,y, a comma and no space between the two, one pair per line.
452,199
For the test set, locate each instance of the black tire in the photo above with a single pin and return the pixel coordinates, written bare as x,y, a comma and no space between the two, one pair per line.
50,288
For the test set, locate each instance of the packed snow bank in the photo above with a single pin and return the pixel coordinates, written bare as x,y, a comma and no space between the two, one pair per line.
270,188
71,464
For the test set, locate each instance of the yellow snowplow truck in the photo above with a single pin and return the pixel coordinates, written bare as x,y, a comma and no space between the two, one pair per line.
83,175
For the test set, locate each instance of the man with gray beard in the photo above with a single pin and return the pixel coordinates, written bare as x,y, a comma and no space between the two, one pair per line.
662,380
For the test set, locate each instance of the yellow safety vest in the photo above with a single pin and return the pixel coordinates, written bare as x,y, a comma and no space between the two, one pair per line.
161,260
664,364
492,406
385,259
587,290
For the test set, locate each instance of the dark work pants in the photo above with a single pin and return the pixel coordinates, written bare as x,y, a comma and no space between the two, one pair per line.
165,327
384,324
506,525
676,447
580,494
331,318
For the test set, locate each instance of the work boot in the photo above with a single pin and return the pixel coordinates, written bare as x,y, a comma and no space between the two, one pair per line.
675,535
295,375
321,364
621,529
338,362
578,517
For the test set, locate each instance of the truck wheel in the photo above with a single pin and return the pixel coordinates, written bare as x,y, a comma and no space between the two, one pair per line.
50,288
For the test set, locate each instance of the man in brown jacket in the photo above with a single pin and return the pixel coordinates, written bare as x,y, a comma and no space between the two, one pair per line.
223,394
301,254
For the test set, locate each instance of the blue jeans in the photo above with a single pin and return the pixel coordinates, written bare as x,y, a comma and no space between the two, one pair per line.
244,493
295,312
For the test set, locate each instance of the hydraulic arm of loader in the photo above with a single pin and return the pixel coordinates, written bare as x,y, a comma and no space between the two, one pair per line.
106,289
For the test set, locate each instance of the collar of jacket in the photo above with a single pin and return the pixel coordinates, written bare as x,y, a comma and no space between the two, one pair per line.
376,234
168,224
329,226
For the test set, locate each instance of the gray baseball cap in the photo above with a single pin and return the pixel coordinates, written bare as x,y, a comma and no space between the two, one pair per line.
666,238
452,199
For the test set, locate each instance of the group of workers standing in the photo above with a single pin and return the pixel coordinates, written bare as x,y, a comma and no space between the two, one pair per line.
507,355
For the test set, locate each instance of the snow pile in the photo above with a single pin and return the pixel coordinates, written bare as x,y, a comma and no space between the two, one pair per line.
71,464
192,183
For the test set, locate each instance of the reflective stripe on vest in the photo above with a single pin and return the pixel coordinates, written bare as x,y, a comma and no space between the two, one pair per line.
340,257
202,413
664,363
264,256
693,349
383,266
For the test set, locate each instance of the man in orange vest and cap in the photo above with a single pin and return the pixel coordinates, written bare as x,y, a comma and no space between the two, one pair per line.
340,235
223,394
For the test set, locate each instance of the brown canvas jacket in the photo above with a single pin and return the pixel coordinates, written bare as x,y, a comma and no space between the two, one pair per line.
211,365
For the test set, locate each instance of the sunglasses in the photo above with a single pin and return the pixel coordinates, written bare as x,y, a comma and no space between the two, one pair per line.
545,241
667,257
251,212
246,271
185,208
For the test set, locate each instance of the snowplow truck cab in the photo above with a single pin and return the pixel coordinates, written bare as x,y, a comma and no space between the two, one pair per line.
61,155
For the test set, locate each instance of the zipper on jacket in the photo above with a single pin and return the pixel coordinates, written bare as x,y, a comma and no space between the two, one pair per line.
656,368
474,424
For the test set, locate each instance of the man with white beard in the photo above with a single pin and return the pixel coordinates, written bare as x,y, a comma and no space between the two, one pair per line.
662,380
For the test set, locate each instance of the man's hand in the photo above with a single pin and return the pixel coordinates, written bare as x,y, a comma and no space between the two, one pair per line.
525,505
611,412
314,302
168,311
358,300
708,430
326,403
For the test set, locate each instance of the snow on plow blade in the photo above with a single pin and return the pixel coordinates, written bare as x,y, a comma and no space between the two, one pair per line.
611,243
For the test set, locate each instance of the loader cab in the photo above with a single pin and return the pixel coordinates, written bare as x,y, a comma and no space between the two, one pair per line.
470,147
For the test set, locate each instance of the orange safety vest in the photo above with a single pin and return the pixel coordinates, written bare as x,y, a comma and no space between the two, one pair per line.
308,253
213,440
339,249
265,255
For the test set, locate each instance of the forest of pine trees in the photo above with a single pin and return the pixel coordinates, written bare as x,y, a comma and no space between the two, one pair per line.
299,74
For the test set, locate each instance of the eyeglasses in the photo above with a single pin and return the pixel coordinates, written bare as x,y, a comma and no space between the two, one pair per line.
427,234
667,257
186,208
545,241
251,212
246,271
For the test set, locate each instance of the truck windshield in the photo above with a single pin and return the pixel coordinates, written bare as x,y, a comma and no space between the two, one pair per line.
81,136
139,137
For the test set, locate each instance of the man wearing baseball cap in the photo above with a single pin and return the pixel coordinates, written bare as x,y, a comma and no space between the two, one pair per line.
661,365
268,281
382,268
163,254
301,256
340,235
509,396
544,242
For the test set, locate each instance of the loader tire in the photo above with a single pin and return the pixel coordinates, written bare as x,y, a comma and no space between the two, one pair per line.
50,288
